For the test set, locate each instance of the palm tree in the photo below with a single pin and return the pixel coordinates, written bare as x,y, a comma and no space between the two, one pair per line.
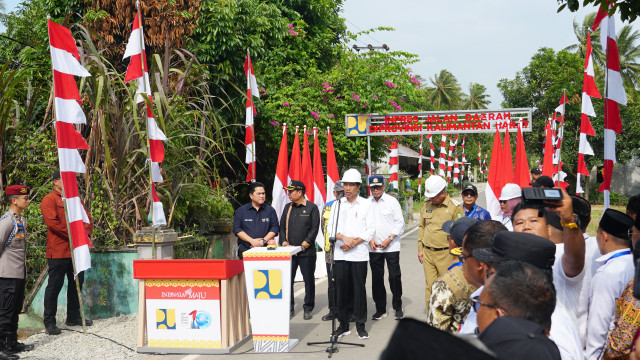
477,99
445,94
629,51
581,31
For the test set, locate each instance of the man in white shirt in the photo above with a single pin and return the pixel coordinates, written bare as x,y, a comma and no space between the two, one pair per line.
610,279
385,246
354,230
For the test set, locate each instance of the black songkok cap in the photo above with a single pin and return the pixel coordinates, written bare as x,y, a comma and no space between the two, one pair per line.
616,223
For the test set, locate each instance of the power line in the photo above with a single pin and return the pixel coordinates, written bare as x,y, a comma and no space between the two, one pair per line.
354,25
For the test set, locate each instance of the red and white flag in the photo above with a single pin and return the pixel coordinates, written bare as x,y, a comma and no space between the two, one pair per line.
547,161
250,137
65,60
295,164
443,153
464,159
420,165
614,96
558,174
137,70
279,194
589,90
319,189
393,165
307,171
521,172
494,187
332,168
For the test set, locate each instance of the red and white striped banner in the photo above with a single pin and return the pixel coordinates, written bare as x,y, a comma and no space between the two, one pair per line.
589,90
420,166
456,171
65,60
393,165
432,155
464,159
137,70
250,138
614,95
443,164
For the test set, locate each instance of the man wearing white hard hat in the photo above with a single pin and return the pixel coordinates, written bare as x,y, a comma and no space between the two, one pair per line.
433,246
510,196
355,227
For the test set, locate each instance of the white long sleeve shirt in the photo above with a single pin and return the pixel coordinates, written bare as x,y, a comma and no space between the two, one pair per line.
606,286
354,220
388,219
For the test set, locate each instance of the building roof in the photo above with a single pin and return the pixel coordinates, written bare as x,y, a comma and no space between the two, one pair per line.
407,152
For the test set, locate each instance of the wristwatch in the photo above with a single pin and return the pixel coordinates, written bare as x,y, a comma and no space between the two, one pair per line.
571,225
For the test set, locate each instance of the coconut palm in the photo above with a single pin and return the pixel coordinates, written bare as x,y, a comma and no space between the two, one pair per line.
581,31
477,98
629,51
446,93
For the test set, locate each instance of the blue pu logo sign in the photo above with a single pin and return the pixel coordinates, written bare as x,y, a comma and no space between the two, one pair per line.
267,284
357,125
166,319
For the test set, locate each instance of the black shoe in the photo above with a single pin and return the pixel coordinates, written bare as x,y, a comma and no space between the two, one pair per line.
352,318
328,317
399,314
363,334
340,332
52,330
14,346
307,315
379,315
6,355
87,322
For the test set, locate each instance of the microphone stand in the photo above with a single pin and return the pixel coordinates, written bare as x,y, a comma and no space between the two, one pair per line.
333,339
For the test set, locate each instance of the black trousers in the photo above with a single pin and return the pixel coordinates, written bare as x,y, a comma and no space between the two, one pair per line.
376,261
350,285
331,290
58,270
11,298
307,266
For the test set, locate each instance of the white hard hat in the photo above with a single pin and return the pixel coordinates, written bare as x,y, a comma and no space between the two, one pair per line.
433,185
352,176
510,191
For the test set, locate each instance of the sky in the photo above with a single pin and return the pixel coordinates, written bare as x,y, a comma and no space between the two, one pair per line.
477,41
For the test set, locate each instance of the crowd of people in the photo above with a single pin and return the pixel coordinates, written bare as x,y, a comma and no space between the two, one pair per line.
528,283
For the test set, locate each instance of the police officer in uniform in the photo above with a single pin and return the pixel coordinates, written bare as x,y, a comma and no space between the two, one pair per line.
13,256
433,246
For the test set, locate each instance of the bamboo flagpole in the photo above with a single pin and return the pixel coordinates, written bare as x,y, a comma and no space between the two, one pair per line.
67,113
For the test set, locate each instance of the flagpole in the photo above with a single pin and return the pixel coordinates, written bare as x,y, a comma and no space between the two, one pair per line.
369,165
147,102
66,215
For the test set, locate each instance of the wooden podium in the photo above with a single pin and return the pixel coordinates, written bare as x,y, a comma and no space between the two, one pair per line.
191,306
268,278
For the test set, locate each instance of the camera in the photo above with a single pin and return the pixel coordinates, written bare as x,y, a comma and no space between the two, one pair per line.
538,196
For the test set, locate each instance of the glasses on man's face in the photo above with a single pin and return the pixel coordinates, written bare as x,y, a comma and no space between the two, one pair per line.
477,303
462,257
503,201
469,194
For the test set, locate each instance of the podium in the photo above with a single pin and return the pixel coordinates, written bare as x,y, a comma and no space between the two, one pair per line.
191,306
268,278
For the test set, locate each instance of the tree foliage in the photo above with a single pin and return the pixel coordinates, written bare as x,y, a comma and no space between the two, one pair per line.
628,9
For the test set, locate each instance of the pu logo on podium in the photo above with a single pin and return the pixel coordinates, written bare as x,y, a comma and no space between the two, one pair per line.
267,284
166,319
357,125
